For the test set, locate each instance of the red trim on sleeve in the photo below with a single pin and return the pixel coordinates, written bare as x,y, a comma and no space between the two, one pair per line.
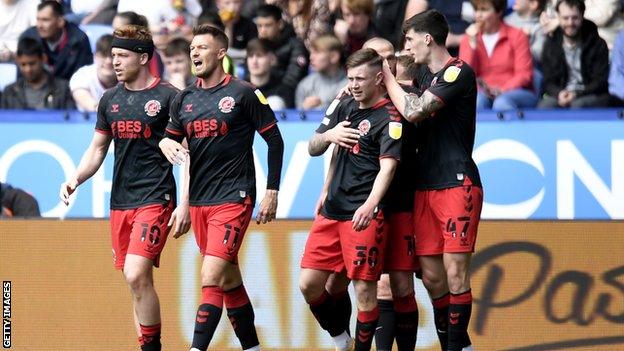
264,129
390,156
381,103
102,131
174,132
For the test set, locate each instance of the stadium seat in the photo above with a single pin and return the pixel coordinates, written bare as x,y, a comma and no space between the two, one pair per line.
95,31
8,74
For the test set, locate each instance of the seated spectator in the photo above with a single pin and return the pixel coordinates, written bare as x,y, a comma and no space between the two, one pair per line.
89,83
607,15
319,89
94,11
163,12
260,62
356,25
17,16
526,16
500,57
239,29
292,56
616,75
36,89
453,10
575,61
16,202
309,18
65,45
176,57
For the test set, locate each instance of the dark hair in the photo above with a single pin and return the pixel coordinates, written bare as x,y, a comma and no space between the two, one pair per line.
578,4
269,11
177,46
368,57
430,21
104,44
212,18
56,7
257,45
411,67
541,5
215,32
499,5
29,47
130,31
134,18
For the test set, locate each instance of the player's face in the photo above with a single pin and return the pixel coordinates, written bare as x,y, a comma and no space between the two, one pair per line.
570,20
259,63
179,63
268,28
358,21
206,55
416,45
127,64
363,82
49,25
31,67
486,17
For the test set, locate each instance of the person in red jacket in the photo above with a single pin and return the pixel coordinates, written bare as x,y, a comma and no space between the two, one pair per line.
501,58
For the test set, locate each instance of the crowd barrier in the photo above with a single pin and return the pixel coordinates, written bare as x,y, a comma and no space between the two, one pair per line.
545,165
537,285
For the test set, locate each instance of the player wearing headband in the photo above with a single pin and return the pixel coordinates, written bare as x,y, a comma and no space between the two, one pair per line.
135,114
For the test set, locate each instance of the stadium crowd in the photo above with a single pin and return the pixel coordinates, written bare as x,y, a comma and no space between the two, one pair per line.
526,53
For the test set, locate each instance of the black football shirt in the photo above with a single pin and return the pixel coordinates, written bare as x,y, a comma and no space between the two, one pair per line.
137,121
380,131
219,124
444,155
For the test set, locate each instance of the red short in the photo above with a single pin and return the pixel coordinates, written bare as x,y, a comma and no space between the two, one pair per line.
139,231
334,246
401,247
219,229
446,220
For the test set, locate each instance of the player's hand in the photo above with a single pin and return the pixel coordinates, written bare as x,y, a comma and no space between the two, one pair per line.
67,189
319,203
173,151
342,135
385,69
363,216
182,219
343,92
268,207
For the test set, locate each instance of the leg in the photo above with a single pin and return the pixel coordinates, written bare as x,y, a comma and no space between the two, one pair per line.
590,101
434,280
368,313
406,309
384,335
336,286
483,102
514,99
138,273
548,101
457,265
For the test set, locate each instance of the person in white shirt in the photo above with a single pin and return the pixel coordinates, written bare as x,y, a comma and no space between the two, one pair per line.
90,82
17,16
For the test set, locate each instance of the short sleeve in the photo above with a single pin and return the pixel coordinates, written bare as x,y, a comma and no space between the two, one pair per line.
175,130
332,116
258,110
80,79
455,81
102,125
390,139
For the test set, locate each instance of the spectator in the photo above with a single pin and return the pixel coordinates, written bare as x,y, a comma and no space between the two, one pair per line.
292,56
616,76
94,11
17,16
66,47
453,10
163,12
356,25
526,16
309,18
88,84
319,89
575,61
176,57
389,16
239,29
500,57
17,203
260,61
36,88
607,15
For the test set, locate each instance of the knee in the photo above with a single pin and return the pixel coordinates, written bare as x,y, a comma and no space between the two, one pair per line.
401,283
366,294
310,289
434,283
457,279
137,278
503,102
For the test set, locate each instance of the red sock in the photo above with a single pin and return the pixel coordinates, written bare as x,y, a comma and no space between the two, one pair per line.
150,337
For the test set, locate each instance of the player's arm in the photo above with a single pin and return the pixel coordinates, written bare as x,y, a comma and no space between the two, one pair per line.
414,108
89,164
275,156
328,180
365,213
341,135
181,216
